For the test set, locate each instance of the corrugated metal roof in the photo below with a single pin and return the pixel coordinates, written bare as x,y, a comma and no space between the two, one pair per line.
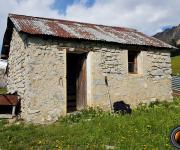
79,30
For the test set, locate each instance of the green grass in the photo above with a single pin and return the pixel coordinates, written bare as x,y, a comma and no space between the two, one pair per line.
176,65
146,128
3,90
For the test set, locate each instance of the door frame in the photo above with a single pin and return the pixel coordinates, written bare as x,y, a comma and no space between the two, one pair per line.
88,78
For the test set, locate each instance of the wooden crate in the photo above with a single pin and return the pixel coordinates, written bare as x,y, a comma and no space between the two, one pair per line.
9,100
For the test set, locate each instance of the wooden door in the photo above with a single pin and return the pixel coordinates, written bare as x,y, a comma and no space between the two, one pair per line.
81,88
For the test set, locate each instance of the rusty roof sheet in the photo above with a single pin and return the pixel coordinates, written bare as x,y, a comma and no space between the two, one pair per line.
79,30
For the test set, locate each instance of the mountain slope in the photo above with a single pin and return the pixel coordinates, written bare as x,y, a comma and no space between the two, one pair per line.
172,37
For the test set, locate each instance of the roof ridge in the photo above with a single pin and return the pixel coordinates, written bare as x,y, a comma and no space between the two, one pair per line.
71,21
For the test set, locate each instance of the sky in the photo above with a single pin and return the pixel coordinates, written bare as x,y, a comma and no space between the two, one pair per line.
148,16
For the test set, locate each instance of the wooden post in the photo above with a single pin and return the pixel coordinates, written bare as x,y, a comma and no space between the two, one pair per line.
13,110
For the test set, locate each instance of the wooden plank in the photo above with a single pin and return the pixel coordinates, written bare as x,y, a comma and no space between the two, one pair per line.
81,83
8,99
13,110
135,63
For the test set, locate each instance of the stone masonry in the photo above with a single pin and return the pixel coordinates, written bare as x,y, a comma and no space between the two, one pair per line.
37,72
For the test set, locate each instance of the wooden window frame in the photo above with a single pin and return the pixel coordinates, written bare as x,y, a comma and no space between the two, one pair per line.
133,63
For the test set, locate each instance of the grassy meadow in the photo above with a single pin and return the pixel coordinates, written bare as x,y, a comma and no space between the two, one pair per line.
176,65
148,127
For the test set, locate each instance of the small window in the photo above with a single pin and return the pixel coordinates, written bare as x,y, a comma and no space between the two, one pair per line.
132,62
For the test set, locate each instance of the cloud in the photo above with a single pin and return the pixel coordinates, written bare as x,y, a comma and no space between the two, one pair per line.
146,16
41,8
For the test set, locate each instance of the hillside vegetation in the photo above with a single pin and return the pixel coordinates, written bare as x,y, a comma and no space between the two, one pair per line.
171,36
176,65
148,127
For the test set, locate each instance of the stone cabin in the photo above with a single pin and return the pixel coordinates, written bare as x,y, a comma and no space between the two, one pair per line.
60,66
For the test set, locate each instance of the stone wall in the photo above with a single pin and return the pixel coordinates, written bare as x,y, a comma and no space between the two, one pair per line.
3,78
46,80
16,81
37,71
153,82
37,74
